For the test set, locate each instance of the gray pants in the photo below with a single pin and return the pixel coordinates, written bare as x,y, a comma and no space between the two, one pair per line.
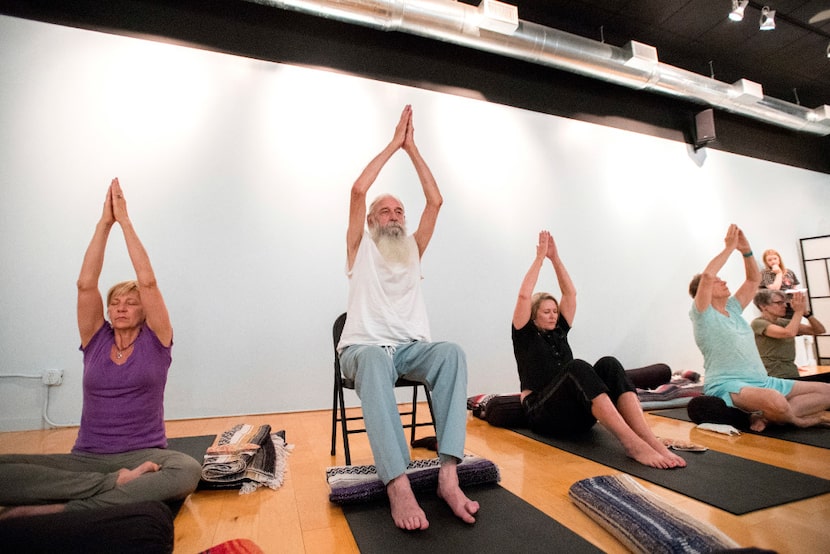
84,481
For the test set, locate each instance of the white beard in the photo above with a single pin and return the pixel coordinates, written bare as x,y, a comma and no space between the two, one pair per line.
392,242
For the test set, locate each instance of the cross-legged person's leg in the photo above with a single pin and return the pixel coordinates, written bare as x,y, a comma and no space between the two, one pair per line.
764,406
145,475
810,401
41,484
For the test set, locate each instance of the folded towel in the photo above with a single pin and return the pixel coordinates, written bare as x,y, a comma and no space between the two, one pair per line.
721,428
245,457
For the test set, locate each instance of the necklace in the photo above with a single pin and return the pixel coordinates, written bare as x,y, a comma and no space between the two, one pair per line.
119,352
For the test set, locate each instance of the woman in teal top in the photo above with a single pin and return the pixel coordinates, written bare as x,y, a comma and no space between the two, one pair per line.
734,370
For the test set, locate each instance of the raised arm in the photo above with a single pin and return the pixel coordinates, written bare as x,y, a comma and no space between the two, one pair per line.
703,297
152,301
749,288
814,327
433,197
357,203
795,327
90,303
521,313
567,304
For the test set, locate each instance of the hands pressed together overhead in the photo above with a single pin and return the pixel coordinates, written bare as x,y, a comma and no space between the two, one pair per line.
736,240
404,136
115,206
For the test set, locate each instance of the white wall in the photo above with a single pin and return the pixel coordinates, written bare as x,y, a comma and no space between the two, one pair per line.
237,174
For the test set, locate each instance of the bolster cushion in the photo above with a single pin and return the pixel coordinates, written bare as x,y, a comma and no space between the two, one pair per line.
641,520
138,528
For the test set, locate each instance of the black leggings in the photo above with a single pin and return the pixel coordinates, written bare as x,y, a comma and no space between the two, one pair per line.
564,405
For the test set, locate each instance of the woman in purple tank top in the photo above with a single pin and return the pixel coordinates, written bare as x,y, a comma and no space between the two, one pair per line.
120,454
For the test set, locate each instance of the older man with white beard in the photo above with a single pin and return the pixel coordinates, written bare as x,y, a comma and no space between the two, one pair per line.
387,336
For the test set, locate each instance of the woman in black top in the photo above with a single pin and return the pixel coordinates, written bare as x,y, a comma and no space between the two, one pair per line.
561,395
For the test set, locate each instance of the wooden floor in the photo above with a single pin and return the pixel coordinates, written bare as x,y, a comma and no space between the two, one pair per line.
298,517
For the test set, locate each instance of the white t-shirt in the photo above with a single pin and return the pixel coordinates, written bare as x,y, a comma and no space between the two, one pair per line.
386,306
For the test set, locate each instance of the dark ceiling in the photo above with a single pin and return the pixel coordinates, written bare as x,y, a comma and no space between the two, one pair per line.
790,62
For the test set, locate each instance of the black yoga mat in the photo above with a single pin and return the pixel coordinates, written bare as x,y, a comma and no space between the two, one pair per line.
505,523
194,447
812,436
730,483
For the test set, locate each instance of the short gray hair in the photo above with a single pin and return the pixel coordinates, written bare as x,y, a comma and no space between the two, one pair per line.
765,297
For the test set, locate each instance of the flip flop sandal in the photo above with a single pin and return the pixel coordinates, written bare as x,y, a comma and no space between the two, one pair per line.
683,446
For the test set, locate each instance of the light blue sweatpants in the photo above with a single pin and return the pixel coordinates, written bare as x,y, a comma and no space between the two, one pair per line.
374,369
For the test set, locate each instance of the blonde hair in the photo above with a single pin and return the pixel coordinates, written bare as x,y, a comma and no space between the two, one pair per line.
780,259
537,299
120,289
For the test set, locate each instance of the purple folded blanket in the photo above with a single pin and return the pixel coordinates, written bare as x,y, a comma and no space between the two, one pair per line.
356,484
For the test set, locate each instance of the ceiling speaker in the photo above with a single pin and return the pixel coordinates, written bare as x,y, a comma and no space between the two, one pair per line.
704,127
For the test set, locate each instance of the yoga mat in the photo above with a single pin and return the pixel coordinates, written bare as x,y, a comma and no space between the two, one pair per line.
812,436
505,523
730,483
194,447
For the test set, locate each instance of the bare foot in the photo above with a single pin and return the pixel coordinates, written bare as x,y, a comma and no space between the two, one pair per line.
21,511
643,453
127,475
673,459
451,493
406,513
757,422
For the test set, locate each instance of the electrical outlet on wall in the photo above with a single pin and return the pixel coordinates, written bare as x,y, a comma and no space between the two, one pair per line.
52,377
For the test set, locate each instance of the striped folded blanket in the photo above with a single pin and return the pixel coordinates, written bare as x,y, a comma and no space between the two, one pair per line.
355,484
245,457
682,385
642,521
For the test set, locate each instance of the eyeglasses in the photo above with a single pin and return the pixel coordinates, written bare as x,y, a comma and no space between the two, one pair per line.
778,302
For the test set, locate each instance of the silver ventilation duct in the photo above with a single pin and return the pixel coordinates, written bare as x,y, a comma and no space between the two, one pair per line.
635,65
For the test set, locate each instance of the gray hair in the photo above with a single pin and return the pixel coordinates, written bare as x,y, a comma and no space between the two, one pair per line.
384,196
765,297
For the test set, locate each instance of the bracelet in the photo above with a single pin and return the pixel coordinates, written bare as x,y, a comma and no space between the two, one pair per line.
748,254
808,315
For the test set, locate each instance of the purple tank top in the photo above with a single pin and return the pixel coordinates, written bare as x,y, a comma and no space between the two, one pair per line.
123,406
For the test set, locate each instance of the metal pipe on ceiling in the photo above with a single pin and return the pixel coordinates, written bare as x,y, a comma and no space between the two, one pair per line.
635,65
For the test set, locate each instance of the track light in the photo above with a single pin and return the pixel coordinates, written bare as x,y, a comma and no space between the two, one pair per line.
767,22
738,7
